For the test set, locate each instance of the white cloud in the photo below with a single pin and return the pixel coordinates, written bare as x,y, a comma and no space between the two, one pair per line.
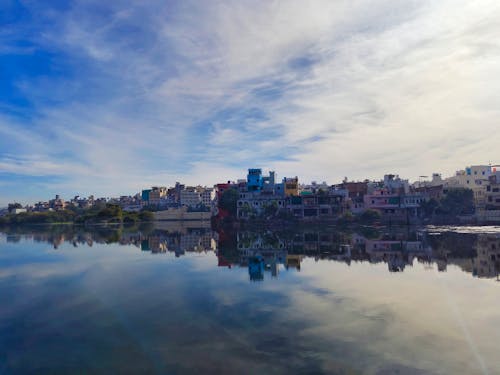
343,88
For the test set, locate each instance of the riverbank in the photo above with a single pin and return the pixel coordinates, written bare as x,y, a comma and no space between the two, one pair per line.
109,214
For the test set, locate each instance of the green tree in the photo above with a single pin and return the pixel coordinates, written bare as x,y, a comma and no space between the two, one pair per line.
429,207
228,201
12,206
370,216
457,202
271,209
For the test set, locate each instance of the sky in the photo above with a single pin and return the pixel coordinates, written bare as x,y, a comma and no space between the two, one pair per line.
108,99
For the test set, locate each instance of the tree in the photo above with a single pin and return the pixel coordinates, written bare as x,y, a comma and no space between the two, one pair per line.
457,202
228,201
13,206
270,209
370,216
429,207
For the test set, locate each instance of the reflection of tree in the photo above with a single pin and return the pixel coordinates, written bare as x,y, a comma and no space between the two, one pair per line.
228,201
457,245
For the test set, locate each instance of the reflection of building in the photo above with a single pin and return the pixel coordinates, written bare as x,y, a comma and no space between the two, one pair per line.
397,254
329,204
487,262
293,261
259,261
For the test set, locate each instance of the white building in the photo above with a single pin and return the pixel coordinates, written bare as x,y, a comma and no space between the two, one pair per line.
208,197
474,177
196,196
190,197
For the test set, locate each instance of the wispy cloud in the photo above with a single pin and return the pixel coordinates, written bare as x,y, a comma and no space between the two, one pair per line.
134,94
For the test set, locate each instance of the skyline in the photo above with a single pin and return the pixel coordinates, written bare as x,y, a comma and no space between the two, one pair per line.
108,99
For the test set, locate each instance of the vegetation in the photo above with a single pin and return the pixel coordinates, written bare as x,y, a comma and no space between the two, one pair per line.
229,200
109,214
13,206
370,217
456,202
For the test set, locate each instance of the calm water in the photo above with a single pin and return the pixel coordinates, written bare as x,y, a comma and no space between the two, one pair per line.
371,301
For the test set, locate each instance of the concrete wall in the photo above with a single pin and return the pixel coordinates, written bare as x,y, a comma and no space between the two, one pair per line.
181,215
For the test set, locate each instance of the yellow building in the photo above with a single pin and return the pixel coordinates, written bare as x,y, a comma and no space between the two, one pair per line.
291,185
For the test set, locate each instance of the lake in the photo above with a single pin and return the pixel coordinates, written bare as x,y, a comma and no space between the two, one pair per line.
303,301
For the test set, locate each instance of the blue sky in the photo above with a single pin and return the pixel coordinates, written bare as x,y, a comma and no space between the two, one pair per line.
107,99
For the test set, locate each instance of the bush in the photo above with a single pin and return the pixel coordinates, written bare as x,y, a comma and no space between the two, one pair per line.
370,216
229,200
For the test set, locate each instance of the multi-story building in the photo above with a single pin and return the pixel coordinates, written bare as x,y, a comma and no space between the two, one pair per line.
493,192
487,262
154,196
474,177
57,203
255,181
251,204
395,206
291,186
190,197
208,197
197,196
355,194
326,205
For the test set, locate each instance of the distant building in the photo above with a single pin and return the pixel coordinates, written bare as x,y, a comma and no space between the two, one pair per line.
291,185
57,203
493,192
197,196
255,182
395,205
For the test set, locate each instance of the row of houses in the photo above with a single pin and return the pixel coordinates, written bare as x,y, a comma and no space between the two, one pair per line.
262,252
194,197
393,197
262,195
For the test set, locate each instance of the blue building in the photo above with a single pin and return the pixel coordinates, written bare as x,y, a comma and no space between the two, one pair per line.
255,181
145,195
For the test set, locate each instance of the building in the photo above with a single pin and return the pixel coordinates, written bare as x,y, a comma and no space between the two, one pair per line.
190,197
291,186
326,205
57,203
476,178
198,196
493,192
156,194
255,182
208,197
394,205
355,194
487,262
251,204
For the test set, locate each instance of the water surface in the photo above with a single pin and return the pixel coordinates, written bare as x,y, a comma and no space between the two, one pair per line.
371,301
